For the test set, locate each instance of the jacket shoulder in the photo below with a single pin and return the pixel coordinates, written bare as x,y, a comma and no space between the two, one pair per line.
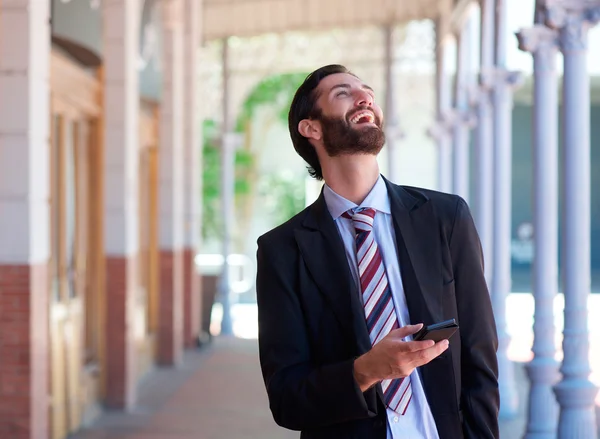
443,203
284,233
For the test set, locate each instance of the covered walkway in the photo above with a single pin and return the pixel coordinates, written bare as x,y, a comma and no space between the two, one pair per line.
217,393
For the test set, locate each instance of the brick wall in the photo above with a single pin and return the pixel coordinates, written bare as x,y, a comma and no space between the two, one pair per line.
24,355
170,309
191,299
120,347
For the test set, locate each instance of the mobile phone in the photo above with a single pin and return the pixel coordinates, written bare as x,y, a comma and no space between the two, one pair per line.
437,331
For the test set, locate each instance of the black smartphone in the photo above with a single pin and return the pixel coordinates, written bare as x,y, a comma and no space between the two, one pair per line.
438,331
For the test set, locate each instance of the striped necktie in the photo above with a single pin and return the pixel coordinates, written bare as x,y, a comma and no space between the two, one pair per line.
377,301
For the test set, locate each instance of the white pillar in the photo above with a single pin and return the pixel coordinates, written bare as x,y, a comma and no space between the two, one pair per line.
441,131
171,188
575,392
542,42
193,170
121,168
24,132
171,131
192,133
24,216
228,146
392,127
501,273
461,118
484,138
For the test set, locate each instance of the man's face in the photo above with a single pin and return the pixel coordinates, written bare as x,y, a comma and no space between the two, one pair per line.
351,121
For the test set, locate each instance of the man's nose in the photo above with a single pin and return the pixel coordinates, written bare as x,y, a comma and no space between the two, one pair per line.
364,98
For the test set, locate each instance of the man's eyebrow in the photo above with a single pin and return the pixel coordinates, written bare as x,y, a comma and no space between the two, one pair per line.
348,86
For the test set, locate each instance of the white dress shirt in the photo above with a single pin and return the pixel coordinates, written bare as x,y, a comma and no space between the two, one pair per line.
417,422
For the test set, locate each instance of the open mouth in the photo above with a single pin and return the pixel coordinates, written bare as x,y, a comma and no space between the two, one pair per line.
363,117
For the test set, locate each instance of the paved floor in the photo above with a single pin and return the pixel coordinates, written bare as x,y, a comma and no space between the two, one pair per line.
216,394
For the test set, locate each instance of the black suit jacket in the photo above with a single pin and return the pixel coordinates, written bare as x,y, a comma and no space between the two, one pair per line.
312,324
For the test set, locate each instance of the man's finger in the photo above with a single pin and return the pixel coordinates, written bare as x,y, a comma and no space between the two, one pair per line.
426,355
406,330
415,346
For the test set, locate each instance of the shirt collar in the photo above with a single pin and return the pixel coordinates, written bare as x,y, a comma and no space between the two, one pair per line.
377,199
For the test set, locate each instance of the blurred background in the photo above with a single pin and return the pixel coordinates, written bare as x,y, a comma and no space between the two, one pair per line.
144,148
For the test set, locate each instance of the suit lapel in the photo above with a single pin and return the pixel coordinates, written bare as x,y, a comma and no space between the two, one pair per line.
323,253
419,251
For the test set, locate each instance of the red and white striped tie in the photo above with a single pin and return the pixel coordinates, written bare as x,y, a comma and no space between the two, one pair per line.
377,301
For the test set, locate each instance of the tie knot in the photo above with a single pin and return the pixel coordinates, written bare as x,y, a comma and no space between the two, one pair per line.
362,218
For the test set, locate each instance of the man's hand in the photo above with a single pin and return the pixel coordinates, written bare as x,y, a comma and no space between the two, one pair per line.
393,358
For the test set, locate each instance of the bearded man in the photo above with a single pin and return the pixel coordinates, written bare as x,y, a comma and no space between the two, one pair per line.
344,285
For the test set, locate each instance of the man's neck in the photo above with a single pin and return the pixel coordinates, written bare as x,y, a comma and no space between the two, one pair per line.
352,177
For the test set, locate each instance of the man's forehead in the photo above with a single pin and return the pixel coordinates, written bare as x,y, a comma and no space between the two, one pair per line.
339,79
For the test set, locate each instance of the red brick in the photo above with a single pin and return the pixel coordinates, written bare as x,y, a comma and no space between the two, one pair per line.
170,314
120,346
191,299
24,356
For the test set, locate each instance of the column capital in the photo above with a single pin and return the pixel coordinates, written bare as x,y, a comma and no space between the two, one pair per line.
442,125
394,132
232,140
537,38
474,93
487,77
461,117
437,130
573,19
490,77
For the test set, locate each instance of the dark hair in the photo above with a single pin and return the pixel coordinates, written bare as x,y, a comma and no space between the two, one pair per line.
304,107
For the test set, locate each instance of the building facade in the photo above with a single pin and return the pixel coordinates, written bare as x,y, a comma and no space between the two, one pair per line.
100,170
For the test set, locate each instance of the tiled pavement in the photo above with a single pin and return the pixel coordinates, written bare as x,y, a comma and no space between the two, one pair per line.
217,393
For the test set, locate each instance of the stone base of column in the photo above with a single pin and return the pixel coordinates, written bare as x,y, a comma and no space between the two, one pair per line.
542,406
121,378
191,299
577,409
170,310
509,397
24,351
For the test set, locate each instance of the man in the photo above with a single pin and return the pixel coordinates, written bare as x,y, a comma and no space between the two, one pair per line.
344,285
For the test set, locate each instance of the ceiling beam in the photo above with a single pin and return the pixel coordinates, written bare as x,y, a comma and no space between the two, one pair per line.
245,18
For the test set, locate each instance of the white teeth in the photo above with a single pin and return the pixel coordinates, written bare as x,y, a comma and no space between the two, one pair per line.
362,114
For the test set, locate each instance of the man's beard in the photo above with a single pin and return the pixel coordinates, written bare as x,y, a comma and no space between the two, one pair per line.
340,137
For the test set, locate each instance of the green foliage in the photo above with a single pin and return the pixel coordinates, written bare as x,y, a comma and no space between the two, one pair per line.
211,179
284,195
211,171
277,92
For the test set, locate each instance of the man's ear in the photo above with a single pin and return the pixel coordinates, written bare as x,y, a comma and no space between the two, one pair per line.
311,129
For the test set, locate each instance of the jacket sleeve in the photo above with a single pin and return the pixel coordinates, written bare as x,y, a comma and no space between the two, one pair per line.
479,366
301,394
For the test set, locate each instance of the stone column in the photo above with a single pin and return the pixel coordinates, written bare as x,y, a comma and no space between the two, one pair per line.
542,42
440,132
121,167
171,187
575,392
392,127
229,143
460,158
503,82
24,218
484,138
193,170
